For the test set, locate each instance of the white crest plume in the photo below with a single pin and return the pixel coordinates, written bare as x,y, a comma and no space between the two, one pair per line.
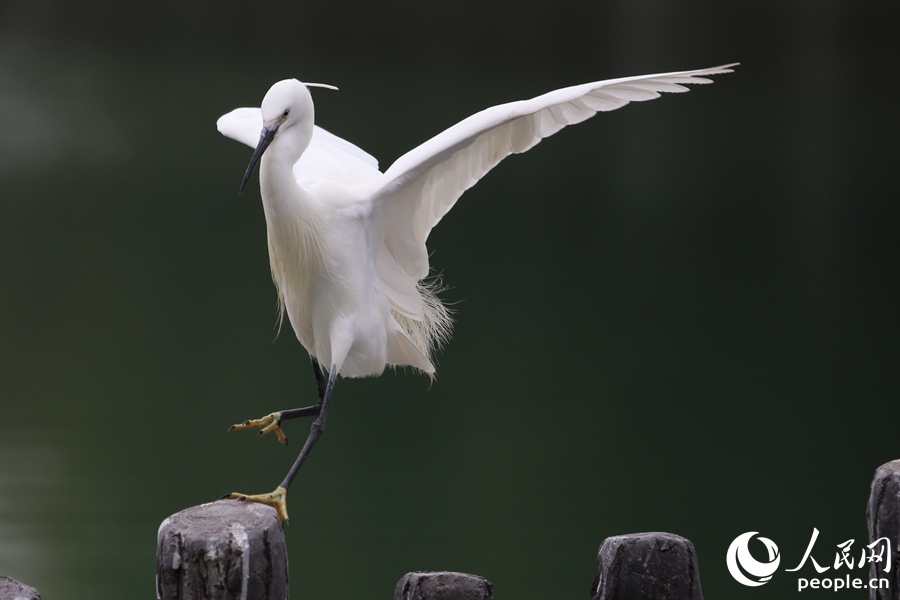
321,85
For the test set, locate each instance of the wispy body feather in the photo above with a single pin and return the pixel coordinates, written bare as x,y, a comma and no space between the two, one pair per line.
435,329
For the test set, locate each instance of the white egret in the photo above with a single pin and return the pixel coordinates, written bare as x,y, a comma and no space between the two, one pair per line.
347,242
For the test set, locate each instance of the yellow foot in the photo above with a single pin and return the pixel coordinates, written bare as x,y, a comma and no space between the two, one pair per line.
276,499
267,424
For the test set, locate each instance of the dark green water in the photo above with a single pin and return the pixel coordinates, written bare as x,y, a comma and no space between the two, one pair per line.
680,316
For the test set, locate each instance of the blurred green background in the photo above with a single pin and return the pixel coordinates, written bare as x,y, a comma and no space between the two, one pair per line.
679,316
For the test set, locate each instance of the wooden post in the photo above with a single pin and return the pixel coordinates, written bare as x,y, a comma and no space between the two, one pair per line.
647,565
10,589
225,550
883,517
443,585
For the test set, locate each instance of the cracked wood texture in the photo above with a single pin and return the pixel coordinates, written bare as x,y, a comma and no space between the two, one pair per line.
883,516
643,566
443,585
10,589
222,551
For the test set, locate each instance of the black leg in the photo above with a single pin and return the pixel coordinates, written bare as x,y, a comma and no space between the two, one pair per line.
320,378
315,432
278,498
309,411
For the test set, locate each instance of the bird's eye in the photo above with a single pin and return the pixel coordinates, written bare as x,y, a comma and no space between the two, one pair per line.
286,113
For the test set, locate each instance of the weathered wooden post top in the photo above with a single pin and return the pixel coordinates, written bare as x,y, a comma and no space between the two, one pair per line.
10,589
225,550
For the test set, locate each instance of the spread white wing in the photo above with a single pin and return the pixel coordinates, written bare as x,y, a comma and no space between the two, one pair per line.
327,157
423,184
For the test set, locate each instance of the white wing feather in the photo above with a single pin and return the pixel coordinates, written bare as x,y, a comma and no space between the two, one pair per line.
336,159
327,157
425,183
242,124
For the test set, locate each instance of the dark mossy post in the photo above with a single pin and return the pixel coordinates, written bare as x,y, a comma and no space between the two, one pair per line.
443,585
883,516
10,589
225,550
647,565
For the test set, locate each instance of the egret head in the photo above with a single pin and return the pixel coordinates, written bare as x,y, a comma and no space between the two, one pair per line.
287,105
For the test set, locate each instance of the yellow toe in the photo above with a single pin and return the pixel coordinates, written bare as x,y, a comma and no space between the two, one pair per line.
267,424
276,499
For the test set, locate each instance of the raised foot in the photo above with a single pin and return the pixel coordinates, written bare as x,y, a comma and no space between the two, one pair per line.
268,424
276,499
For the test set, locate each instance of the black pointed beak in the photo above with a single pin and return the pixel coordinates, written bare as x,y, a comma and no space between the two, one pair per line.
265,138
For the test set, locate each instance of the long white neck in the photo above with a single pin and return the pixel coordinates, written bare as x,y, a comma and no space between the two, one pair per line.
276,169
294,218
